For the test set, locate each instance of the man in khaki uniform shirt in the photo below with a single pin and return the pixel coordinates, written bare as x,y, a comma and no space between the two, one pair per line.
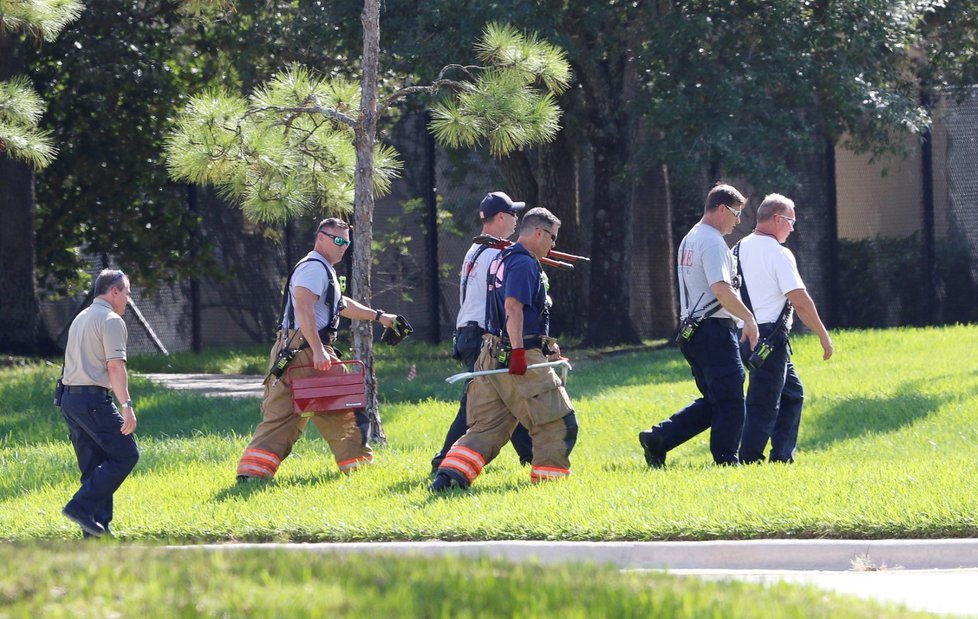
95,368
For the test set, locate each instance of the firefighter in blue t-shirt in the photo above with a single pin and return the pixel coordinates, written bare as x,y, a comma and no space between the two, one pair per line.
517,325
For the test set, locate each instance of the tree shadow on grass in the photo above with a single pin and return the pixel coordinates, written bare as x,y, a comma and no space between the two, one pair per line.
862,416
28,416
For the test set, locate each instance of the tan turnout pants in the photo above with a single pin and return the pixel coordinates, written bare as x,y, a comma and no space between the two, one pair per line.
497,402
280,427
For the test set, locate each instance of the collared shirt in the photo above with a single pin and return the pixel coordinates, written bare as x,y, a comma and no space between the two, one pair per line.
96,336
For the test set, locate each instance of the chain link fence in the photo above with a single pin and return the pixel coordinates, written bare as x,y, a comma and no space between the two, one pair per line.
908,228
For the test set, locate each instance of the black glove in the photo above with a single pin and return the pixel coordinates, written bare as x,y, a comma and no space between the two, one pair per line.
401,329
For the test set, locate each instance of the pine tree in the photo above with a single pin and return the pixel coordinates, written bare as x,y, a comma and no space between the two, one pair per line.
303,143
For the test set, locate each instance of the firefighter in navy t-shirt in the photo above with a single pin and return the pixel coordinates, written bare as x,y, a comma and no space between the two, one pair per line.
517,336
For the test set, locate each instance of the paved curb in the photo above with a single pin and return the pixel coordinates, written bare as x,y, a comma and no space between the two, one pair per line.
826,555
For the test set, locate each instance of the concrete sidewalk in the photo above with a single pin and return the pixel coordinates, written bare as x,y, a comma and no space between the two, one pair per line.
830,555
939,576
212,385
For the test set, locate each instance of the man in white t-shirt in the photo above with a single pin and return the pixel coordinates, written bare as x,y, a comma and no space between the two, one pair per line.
771,280
499,215
313,304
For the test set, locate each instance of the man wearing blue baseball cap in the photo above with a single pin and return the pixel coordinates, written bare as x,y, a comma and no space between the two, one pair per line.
499,215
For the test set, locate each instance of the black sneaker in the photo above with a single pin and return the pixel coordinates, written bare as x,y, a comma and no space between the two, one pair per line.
86,522
251,479
654,447
443,482
107,531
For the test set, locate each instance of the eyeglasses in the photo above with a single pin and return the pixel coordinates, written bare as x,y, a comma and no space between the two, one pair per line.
553,237
791,220
339,241
734,211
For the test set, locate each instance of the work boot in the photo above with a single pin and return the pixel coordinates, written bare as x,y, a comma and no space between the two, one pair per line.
654,448
443,482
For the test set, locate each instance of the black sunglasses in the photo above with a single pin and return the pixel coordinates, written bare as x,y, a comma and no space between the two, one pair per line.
553,237
339,241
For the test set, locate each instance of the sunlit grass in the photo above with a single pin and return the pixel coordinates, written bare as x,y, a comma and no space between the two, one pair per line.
105,581
889,446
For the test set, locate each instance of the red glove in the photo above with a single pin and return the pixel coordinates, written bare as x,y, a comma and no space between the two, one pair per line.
517,361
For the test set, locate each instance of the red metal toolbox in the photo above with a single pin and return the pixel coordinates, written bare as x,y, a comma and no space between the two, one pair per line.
338,389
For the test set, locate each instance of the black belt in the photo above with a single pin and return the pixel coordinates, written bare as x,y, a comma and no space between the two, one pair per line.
472,324
88,389
533,342
729,323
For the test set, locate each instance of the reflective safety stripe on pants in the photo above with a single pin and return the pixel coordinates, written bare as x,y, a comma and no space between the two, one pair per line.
258,463
464,461
354,463
543,473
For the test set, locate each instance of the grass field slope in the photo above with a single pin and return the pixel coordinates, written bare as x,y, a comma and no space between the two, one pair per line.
889,448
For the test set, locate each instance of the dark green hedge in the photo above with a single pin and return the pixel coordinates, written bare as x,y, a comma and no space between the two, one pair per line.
883,282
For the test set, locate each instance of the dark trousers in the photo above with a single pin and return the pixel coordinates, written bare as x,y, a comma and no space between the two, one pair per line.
774,401
469,343
714,358
105,455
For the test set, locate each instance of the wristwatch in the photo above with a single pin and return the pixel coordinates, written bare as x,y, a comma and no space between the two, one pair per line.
378,315
127,404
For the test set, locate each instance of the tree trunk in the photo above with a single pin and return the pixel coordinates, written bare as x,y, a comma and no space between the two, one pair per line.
559,193
609,302
654,259
23,330
521,185
815,240
363,207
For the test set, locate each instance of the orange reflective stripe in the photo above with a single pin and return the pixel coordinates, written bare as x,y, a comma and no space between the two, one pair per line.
262,452
260,461
353,463
256,466
464,452
251,470
467,462
542,473
461,466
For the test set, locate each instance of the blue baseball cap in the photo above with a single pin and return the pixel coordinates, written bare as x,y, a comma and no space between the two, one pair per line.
498,202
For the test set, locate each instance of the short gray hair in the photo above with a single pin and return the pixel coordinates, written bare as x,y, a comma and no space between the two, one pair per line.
108,279
773,204
334,223
536,217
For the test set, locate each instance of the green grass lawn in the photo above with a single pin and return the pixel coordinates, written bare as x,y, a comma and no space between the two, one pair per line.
79,581
889,446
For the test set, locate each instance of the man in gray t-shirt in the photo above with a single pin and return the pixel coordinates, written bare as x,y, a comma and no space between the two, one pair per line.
709,298
703,260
